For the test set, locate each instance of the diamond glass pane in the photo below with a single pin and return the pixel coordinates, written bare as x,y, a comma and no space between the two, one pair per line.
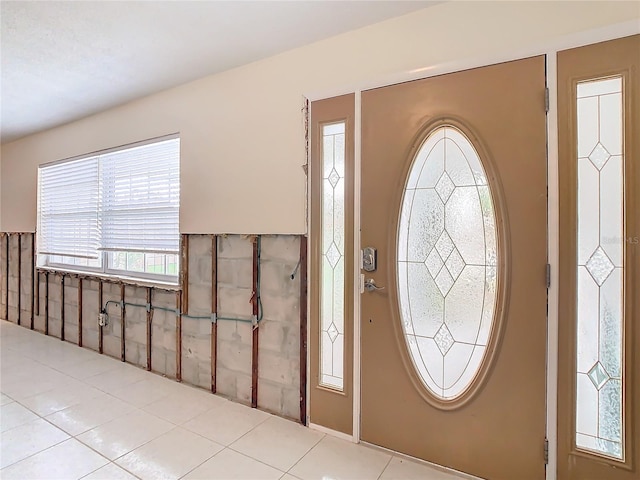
600,270
598,375
599,156
445,187
332,288
443,339
599,266
447,255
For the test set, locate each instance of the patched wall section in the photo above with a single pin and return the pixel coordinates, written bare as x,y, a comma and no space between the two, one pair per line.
196,333
279,346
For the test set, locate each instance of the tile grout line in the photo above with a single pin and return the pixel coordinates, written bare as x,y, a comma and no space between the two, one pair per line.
110,463
249,431
202,463
142,409
287,471
42,451
175,425
69,345
99,425
35,453
385,467
307,452
162,435
136,408
126,453
74,437
324,435
254,459
70,436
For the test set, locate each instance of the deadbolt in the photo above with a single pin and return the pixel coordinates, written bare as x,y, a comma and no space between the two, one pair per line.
369,259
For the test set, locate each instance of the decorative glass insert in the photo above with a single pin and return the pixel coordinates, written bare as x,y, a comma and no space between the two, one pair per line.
447,262
332,287
600,252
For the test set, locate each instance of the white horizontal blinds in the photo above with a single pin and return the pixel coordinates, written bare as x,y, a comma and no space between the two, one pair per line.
68,202
141,198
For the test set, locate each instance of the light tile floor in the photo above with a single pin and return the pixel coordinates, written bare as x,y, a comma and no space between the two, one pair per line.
70,413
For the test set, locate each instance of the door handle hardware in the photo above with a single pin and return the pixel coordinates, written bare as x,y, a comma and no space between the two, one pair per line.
369,259
370,285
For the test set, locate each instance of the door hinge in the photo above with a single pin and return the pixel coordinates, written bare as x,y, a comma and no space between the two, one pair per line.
546,451
548,275
546,100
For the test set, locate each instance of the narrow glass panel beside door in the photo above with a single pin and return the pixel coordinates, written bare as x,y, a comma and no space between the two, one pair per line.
600,273
332,288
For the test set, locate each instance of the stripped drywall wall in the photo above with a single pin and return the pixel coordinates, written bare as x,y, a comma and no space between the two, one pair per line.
69,305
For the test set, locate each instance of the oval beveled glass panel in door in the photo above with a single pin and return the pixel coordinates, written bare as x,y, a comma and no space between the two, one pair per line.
447,263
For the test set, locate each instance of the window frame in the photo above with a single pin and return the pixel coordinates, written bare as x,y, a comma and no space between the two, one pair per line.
54,262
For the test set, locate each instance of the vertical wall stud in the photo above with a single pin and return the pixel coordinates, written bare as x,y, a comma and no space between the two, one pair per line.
255,302
149,319
34,279
62,307
303,329
214,311
46,303
6,285
184,262
179,336
37,306
37,299
19,277
182,299
79,311
100,333
122,324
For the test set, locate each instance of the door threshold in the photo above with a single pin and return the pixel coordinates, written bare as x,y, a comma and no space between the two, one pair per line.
435,466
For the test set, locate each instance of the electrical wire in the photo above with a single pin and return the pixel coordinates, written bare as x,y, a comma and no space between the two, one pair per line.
149,307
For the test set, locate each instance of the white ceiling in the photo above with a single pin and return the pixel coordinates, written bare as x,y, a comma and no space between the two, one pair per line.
65,60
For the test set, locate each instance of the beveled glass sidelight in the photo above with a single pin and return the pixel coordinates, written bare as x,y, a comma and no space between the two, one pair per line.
600,267
332,288
447,263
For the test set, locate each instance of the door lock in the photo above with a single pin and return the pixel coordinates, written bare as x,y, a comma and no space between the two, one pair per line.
369,259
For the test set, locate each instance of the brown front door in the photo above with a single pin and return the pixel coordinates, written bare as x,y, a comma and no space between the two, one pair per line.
454,200
599,321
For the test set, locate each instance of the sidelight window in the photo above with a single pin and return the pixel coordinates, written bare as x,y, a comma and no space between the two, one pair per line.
332,290
600,267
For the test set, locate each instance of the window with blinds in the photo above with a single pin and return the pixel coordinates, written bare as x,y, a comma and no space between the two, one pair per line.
115,212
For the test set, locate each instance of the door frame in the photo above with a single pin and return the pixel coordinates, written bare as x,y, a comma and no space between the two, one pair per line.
550,51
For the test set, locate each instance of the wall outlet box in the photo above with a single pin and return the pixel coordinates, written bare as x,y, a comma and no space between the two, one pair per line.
103,320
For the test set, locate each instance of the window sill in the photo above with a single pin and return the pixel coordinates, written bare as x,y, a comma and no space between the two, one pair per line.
136,282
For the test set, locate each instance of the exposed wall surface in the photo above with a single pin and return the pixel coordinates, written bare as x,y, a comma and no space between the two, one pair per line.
242,135
278,346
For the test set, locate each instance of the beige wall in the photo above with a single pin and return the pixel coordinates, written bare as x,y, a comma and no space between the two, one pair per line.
242,131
